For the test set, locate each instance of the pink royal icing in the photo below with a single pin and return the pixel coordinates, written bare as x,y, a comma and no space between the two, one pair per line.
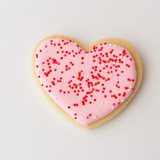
88,86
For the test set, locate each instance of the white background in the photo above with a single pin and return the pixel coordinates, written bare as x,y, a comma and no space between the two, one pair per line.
30,129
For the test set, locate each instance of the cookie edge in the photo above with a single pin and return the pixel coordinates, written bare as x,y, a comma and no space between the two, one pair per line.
123,105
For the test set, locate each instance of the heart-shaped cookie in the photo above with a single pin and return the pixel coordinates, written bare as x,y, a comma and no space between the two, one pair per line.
88,85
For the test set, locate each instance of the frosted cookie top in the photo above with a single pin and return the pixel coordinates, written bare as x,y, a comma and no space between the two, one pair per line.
88,86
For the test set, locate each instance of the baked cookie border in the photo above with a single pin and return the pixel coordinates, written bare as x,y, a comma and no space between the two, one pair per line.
105,119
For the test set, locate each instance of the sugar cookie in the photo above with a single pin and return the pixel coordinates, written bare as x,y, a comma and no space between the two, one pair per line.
88,85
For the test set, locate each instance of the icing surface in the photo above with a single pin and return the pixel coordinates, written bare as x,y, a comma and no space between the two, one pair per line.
88,86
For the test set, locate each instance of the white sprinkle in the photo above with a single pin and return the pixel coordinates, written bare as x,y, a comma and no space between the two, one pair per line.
129,89
75,43
94,117
102,102
130,86
45,79
57,39
114,86
58,92
112,107
114,45
117,99
44,51
121,80
110,44
122,100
